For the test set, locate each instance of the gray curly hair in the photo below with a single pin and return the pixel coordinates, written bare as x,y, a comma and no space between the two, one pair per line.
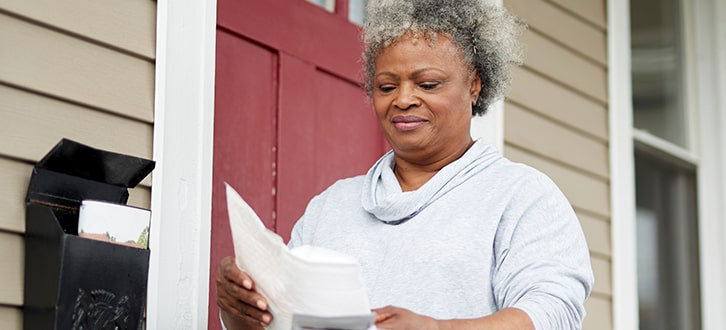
485,34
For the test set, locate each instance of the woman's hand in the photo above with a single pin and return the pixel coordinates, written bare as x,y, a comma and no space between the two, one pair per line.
242,307
394,318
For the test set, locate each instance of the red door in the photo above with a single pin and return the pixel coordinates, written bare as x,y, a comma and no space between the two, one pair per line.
290,117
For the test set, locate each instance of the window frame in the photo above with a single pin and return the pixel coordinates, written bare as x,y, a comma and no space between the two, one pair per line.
181,195
705,40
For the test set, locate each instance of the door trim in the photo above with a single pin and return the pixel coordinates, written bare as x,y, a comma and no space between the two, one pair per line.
181,198
622,169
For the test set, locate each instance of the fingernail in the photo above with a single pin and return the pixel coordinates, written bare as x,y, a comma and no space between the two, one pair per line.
261,304
247,284
266,318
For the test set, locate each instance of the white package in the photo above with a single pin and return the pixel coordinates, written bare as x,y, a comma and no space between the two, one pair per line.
307,280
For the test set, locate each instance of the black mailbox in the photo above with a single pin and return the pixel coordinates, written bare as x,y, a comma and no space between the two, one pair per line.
73,282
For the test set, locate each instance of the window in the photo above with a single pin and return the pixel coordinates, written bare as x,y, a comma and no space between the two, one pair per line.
665,169
656,48
357,11
329,5
667,252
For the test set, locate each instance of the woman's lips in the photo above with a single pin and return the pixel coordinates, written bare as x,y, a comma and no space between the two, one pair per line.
408,123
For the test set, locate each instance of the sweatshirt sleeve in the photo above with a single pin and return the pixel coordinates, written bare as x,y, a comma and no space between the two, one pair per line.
302,232
542,263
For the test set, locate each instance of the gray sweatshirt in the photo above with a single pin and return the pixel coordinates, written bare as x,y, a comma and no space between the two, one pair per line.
483,234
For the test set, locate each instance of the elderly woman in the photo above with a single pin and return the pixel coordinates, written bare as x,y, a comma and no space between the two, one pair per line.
446,229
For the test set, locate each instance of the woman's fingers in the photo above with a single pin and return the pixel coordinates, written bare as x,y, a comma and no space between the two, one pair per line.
247,296
228,268
242,310
241,322
384,313
236,294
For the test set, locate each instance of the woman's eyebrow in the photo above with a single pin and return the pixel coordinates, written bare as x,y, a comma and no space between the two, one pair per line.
426,69
386,73
413,74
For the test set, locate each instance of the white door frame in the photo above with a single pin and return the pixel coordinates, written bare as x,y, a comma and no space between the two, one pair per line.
490,127
622,169
708,61
181,196
709,65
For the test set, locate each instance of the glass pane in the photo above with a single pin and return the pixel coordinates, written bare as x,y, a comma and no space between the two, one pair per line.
329,5
667,242
357,11
657,69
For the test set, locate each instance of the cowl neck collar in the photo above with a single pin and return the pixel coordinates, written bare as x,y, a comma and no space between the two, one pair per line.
382,195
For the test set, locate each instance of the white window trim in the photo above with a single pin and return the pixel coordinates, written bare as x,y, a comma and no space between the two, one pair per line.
622,169
710,69
181,198
490,127
707,61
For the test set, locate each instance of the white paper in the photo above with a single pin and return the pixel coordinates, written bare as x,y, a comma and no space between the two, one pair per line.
114,223
306,280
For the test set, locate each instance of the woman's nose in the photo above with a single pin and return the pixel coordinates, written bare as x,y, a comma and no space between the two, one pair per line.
406,97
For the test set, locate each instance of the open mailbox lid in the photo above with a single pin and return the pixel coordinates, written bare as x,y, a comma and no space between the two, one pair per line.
73,282
82,161
72,172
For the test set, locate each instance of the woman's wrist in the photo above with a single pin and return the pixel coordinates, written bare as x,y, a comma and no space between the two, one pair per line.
442,324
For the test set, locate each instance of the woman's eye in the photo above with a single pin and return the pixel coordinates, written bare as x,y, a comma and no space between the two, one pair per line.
386,88
429,85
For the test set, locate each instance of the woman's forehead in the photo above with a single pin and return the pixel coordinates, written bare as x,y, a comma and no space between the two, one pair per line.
412,48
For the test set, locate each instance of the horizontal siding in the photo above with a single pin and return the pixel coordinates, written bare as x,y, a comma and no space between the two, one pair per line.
551,21
31,124
124,24
585,192
65,67
555,141
14,176
592,11
556,120
12,261
538,93
565,66
597,233
140,197
80,69
11,318
603,284
599,313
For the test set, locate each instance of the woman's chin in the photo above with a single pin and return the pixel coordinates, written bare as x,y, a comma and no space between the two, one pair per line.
409,144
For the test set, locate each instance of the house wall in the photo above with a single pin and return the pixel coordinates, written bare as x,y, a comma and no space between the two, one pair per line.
81,69
556,120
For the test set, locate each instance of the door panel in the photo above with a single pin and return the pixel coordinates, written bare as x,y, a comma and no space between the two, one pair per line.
299,28
327,132
244,137
297,124
290,117
347,137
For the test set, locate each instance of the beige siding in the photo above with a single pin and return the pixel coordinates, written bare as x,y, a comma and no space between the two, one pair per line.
72,69
123,24
556,120
599,312
591,11
79,69
11,278
562,27
11,318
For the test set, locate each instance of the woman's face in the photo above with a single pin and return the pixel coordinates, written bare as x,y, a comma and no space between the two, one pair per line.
423,94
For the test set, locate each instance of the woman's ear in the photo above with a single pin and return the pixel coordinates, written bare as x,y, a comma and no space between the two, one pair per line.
475,88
